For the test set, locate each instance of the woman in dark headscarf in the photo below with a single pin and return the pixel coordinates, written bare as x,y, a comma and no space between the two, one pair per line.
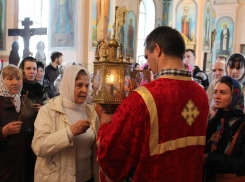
228,99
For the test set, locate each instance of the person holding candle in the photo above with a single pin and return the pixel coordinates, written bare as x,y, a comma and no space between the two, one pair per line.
65,132
16,156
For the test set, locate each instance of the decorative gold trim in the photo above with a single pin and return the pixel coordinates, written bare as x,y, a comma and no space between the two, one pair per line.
185,78
154,147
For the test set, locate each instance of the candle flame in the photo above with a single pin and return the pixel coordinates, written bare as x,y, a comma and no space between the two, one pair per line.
112,79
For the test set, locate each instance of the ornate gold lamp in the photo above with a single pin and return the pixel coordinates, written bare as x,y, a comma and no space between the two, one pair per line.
112,74
112,77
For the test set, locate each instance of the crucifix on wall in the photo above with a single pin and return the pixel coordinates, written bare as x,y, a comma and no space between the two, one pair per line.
26,34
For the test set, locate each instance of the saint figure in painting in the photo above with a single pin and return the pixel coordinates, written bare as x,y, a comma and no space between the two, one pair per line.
186,22
224,40
121,39
130,38
102,18
63,28
207,27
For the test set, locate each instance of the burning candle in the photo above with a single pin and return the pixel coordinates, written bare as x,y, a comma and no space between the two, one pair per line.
111,80
111,88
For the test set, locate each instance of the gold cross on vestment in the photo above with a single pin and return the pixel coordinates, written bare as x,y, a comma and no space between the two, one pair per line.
190,112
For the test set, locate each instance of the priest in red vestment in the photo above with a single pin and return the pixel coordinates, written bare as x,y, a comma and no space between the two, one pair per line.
158,132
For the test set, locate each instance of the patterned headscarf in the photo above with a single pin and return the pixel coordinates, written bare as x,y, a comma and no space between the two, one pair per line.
6,93
237,103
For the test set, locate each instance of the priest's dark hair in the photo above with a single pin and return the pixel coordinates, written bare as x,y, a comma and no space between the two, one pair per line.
29,58
169,40
55,55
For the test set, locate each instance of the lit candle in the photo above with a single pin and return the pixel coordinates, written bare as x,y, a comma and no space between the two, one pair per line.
111,88
111,84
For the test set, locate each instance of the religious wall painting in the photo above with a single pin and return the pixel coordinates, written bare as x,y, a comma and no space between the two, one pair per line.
207,26
158,23
224,37
186,12
2,24
167,13
122,39
102,21
130,29
63,24
213,35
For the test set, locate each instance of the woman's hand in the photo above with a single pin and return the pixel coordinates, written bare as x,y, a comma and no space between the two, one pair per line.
37,106
79,127
11,128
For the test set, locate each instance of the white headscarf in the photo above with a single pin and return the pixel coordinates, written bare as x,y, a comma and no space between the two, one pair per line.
6,93
67,85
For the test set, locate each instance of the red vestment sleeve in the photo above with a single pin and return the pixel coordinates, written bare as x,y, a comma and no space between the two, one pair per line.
120,143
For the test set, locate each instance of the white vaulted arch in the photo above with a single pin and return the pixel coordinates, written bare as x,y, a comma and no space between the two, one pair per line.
146,24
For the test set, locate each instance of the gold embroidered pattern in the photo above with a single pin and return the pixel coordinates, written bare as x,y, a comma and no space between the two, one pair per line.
190,112
154,146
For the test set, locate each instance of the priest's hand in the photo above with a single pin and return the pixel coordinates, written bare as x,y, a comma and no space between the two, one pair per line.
105,118
79,127
11,128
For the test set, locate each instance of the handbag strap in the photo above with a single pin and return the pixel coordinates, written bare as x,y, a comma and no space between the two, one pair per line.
235,138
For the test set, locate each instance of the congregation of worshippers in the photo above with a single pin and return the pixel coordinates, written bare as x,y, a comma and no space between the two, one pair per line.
180,81
44,83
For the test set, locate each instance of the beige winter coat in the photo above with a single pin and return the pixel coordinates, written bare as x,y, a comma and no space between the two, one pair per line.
55,154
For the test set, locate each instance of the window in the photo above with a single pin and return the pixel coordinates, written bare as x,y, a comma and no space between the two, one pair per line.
39,15
146,14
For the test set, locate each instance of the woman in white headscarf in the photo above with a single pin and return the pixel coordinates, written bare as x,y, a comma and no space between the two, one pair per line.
65,133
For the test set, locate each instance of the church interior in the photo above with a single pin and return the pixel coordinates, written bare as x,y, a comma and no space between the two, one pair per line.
91,21
91,97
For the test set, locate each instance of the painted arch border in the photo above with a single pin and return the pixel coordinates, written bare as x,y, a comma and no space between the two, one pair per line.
176,10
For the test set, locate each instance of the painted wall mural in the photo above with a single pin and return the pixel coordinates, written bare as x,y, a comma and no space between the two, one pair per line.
102,21
168,13
63,24
224,37
186,18
130,28
207,26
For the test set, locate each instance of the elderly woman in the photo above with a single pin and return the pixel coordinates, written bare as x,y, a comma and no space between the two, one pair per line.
228,99
16,157
65,132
